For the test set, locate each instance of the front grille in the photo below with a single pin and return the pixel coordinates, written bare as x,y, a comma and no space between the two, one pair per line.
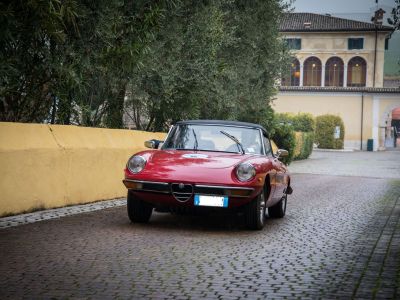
223,190
182,192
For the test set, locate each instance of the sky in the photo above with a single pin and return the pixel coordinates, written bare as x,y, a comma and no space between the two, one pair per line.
343,7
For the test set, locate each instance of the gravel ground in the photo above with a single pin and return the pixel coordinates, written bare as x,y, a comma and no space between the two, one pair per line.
339,239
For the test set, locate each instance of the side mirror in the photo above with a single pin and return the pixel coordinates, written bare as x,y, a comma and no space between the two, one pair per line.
282,153
152,144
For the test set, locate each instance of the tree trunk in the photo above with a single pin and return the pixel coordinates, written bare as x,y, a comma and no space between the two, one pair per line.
116,108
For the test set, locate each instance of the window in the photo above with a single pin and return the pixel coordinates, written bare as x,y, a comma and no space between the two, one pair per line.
356,72
312,71
356,43
334,72
293,44
267,145
209,137
292,76
387,44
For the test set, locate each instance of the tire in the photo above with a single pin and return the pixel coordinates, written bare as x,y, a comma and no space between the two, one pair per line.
279,209
138,210
255,212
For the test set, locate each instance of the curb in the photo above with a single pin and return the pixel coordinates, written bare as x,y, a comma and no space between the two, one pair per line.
334,150
56,213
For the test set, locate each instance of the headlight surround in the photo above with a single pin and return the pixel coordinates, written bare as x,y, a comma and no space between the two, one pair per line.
245,172
136,164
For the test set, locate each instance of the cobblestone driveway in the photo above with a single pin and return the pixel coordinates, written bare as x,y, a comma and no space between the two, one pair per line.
340,239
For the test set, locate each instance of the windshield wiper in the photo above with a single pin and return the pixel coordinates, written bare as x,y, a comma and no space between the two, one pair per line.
196,144
233,138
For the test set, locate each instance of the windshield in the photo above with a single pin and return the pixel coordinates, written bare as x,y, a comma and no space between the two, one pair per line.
214,138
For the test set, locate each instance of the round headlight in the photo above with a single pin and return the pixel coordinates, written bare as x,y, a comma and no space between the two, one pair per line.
245,172
136,164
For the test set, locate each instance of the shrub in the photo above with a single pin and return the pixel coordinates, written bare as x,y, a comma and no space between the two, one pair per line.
284,138
303,122
304,145
325,130
303,139
284,118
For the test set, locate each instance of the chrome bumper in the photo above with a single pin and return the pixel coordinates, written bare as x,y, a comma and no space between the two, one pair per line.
165,188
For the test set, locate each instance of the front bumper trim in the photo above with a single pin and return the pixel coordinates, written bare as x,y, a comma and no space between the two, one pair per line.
165,188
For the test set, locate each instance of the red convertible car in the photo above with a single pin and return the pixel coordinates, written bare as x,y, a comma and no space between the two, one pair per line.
209,164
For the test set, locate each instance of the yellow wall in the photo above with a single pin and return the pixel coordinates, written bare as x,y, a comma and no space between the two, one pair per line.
347,106
46,166
377,111
328,44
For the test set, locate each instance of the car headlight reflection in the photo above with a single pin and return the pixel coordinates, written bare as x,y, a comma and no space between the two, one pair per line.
136,164
245,172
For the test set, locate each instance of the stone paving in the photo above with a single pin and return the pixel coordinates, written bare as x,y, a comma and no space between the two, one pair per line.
385,164
340,239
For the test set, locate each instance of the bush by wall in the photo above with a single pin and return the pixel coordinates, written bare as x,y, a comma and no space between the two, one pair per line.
284,138
303,122
302,126
325,132
304,145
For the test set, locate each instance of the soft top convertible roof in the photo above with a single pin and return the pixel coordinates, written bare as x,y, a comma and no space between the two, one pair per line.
222,122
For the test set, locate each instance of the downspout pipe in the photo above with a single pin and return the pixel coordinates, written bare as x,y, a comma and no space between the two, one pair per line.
362,120
376,44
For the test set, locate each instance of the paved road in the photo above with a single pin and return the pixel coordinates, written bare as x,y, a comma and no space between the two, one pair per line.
365,164
340,239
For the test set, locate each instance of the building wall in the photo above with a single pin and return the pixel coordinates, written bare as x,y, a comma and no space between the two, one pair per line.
349,107
325,45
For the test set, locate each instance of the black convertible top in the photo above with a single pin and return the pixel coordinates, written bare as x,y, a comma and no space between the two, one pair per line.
223,122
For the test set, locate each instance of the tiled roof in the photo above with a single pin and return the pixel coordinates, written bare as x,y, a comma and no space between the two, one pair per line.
309,22
335,89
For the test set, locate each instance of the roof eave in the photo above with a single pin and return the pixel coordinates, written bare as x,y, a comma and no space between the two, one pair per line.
336,30
339,89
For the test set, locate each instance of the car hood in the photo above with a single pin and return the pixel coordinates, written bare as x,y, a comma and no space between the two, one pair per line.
197,159
190,166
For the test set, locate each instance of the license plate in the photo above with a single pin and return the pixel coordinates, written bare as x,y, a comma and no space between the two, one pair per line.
215,201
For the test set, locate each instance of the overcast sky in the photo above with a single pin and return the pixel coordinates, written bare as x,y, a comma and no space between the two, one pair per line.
351,9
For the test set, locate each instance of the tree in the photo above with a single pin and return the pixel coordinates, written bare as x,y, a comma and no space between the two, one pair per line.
395,18
211,59
30,32
77,61
71,60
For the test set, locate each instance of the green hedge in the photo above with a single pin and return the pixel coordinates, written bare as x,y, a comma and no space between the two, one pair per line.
299,145
304,145
325,130
303,122
284,138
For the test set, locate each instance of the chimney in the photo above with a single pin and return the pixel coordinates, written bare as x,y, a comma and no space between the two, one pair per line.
378,18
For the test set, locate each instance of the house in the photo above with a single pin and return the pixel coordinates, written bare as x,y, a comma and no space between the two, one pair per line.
337,68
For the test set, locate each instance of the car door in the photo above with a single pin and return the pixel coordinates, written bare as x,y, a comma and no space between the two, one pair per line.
279,179
273,171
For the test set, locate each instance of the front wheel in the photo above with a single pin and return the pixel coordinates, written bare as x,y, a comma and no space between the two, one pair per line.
255,212
279,209
138,210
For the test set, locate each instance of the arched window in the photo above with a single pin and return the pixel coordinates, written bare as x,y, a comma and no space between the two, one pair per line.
312,72
334,72
356,71
292,76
